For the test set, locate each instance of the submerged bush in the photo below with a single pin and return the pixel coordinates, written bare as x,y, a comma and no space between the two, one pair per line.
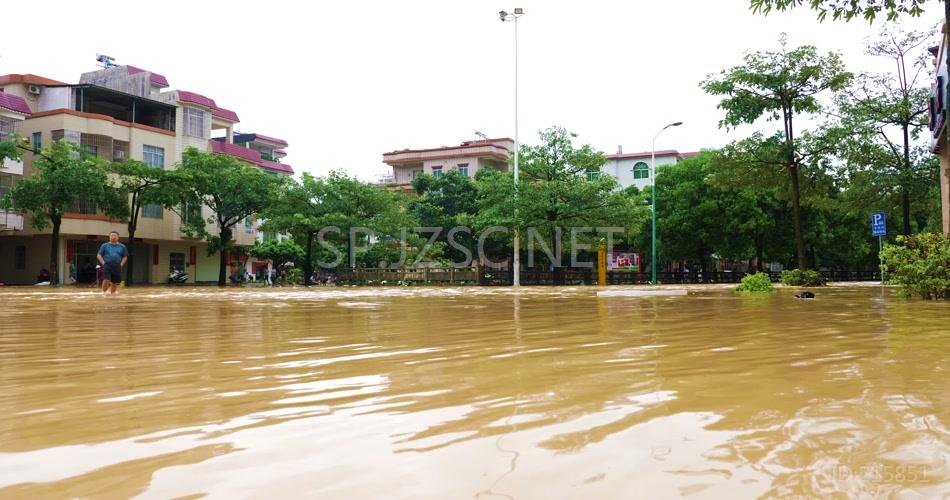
758,282
798,277
920,264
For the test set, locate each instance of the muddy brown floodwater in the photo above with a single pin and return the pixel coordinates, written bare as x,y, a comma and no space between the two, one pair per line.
472,393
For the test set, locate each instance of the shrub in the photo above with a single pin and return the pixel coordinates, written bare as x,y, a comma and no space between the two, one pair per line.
799,277
758,282
919,264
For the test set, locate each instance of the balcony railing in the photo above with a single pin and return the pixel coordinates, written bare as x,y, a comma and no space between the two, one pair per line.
11,220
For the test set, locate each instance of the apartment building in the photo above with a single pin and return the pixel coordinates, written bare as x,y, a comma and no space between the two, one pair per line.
13,110
119,113
633,169
629,169
938,121
466,158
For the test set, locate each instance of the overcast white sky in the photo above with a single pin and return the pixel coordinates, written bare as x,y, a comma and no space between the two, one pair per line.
344,82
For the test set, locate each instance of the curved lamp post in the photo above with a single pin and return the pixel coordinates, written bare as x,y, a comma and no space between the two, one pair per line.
653,179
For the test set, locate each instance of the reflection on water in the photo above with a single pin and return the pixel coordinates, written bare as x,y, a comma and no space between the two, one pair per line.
463,393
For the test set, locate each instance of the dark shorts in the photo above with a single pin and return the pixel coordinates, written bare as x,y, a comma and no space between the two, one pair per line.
112,272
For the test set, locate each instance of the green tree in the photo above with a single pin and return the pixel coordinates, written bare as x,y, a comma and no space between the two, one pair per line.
8,150
279,253
62,175
143,185
879,107
845,9
444,202
347,205
780,85
560,187
231,189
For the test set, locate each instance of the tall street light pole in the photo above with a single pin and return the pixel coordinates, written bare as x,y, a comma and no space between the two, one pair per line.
516,267
653,179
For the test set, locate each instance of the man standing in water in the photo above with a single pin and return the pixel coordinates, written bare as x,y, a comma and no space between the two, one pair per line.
112,257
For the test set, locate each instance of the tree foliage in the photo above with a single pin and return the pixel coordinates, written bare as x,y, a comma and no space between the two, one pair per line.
779,85
61,177
845,9
230,188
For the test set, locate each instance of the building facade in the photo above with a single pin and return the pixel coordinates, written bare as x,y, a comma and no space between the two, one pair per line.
466,158
630,169
120,113
938,121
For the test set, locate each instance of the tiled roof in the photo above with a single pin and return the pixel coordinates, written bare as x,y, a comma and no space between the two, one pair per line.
226,114
196,98
271,139
250,155
14,103
28,78
643,154
153,77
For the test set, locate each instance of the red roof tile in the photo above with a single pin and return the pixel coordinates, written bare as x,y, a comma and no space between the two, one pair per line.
196,98
271,139
153,77
226,114
643,154
250,155
14,103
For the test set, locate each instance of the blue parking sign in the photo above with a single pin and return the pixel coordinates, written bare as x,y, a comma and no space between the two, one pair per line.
878,224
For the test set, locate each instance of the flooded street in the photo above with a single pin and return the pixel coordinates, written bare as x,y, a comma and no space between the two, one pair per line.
472,393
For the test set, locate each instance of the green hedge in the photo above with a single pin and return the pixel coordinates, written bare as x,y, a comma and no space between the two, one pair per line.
798,277
754,283
920,264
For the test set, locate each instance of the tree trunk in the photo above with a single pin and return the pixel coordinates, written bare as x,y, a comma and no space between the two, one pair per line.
905,192
223,266
133,225
759,256
797,211
54,250
558,274
130,260
308,261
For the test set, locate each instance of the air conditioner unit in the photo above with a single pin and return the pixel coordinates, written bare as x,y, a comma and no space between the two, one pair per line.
33,89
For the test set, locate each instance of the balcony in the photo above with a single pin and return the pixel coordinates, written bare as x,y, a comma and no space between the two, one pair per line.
11,167
11,220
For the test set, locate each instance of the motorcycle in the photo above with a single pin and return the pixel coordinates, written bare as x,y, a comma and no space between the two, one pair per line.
178,276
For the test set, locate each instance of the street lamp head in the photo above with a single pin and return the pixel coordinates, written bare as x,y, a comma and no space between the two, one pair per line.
519,11
502,15
676,124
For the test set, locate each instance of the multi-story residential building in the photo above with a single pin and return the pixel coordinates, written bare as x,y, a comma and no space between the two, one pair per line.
467,158
938,121
633,169
13,110
629,169
119,113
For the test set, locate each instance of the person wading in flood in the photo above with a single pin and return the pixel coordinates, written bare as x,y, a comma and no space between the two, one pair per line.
112,257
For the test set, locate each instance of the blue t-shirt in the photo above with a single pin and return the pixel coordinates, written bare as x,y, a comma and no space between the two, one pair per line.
112,253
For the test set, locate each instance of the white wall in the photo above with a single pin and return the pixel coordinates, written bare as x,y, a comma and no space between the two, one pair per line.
622,170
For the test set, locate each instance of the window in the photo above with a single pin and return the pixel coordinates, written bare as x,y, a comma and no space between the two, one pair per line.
152,211
270,236
92,150
437,171
6,182
153,156
463,169
416,173
176,262
83,206
7,128
195,122
641,170
248,225
191,213
37,142
19,257
593,174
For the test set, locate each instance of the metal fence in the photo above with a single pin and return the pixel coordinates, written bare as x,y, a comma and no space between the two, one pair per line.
567,276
